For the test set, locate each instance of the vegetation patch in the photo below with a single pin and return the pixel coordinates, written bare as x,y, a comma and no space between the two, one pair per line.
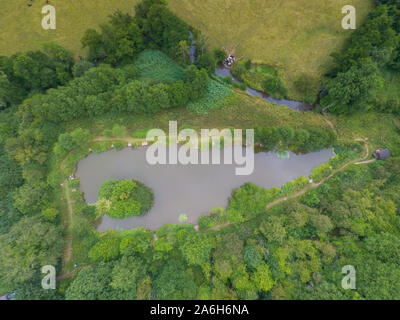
123,199
260,77
215,96
157,66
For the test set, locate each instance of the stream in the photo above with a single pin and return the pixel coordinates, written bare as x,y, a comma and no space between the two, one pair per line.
223,71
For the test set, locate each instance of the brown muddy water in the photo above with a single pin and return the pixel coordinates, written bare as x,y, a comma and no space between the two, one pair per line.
189,189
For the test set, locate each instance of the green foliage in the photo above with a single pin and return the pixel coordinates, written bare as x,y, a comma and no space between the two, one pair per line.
33,71
119,131
79,69
216,216
196,248
143,195
50,214
161,27
123,199
321,172
106,249
124,208
274,86
252,257
119,41
219,55
30,242
262,278
247,201
79,138
136,241
182,218
91,283
174,282
352,90
372,50
310,139
215,96
155,65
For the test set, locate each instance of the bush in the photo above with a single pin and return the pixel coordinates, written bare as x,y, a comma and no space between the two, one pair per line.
50,214
246,202
144,196
119,131
311,199
106,249
274,87
321,172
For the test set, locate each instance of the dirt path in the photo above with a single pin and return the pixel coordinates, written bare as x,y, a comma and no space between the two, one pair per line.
70,212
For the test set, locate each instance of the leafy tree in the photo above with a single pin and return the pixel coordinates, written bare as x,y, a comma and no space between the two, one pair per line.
92,283
30,244
219,55
119,42
351,91
124,208
206,61
107,249
252,257
174,282
196,248
274,86
137,241
249,200
262,278
127,273
50,214
28,197
79,69
106,189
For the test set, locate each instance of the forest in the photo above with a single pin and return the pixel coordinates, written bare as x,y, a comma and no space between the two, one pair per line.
287,242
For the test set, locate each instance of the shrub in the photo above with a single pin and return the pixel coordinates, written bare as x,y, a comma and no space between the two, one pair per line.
119,131
106,249
273,86
50,214
246,202
321,172
310,199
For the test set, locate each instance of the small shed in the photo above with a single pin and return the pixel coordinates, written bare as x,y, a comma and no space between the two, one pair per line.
381,154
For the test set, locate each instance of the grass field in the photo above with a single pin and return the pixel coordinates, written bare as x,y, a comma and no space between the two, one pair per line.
21,27
295,36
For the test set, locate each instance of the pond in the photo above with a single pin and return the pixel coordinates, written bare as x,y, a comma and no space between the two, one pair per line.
189,189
